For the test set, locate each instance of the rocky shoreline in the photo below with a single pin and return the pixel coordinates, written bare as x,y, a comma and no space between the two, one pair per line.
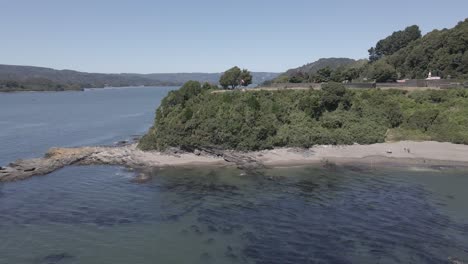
127,155
405,153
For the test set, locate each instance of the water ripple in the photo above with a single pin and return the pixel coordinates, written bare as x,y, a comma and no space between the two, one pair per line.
305,215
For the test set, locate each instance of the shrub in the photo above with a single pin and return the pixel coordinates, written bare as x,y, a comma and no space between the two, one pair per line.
193,116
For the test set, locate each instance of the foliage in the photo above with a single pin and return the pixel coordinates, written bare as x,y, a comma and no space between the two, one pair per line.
194,116
298,78
333,95
394,43
308,72
235,77
402,55
442,52
382,72
28,78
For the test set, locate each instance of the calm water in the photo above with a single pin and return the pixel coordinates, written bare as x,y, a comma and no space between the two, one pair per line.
96,214
31,123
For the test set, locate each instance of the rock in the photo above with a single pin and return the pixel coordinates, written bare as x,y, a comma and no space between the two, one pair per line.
136,138
142,178
127,155
209,241
206,257
54,159
173,151
122,143
55,258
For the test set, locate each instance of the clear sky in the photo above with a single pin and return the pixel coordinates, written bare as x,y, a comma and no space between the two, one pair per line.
205,35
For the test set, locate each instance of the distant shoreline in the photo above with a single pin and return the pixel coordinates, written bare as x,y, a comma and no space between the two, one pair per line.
83,89
428,154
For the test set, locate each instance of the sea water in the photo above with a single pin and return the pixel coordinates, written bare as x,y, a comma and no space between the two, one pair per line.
309,214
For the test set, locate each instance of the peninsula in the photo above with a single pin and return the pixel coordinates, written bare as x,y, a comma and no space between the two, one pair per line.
259,129
334,121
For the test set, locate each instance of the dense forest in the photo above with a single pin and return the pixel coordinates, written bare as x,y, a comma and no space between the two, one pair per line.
28,78
444,52
405,54
194,116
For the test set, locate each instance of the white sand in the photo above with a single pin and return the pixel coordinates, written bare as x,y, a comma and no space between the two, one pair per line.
379,153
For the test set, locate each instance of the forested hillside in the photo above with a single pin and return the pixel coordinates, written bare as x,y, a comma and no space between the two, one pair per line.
18,78
443,52
306,72
405,54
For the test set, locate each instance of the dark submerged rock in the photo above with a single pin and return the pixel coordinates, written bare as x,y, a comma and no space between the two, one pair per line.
56,258
206,257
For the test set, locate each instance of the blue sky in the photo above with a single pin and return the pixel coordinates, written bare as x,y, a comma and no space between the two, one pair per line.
205,35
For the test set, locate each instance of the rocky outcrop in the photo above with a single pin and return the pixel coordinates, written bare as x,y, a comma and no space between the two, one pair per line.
125,155
427,155
54,159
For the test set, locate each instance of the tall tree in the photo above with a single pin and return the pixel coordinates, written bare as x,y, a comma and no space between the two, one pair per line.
395,42
245,78
235,77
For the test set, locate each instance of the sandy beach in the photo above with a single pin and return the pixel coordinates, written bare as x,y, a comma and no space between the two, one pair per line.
404,153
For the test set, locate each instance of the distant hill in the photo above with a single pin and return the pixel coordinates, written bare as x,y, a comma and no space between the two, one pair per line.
258,77
314,67
18,78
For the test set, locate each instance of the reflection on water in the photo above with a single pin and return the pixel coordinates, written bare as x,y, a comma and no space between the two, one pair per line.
207,215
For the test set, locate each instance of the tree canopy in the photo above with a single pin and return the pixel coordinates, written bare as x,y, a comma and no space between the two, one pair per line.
405,54
394,42
235,77
194,117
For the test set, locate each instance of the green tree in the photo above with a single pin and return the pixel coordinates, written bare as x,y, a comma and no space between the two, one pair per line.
245,78
393,113
383,72
442,52
194,117
395,42
322,75
423,119
235,77
297,78
333,95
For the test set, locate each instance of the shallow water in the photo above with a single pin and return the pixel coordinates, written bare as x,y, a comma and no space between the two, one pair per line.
97,214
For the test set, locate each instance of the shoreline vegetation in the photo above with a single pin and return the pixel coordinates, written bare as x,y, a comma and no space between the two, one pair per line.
427,155
195,116
199,124
262,129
